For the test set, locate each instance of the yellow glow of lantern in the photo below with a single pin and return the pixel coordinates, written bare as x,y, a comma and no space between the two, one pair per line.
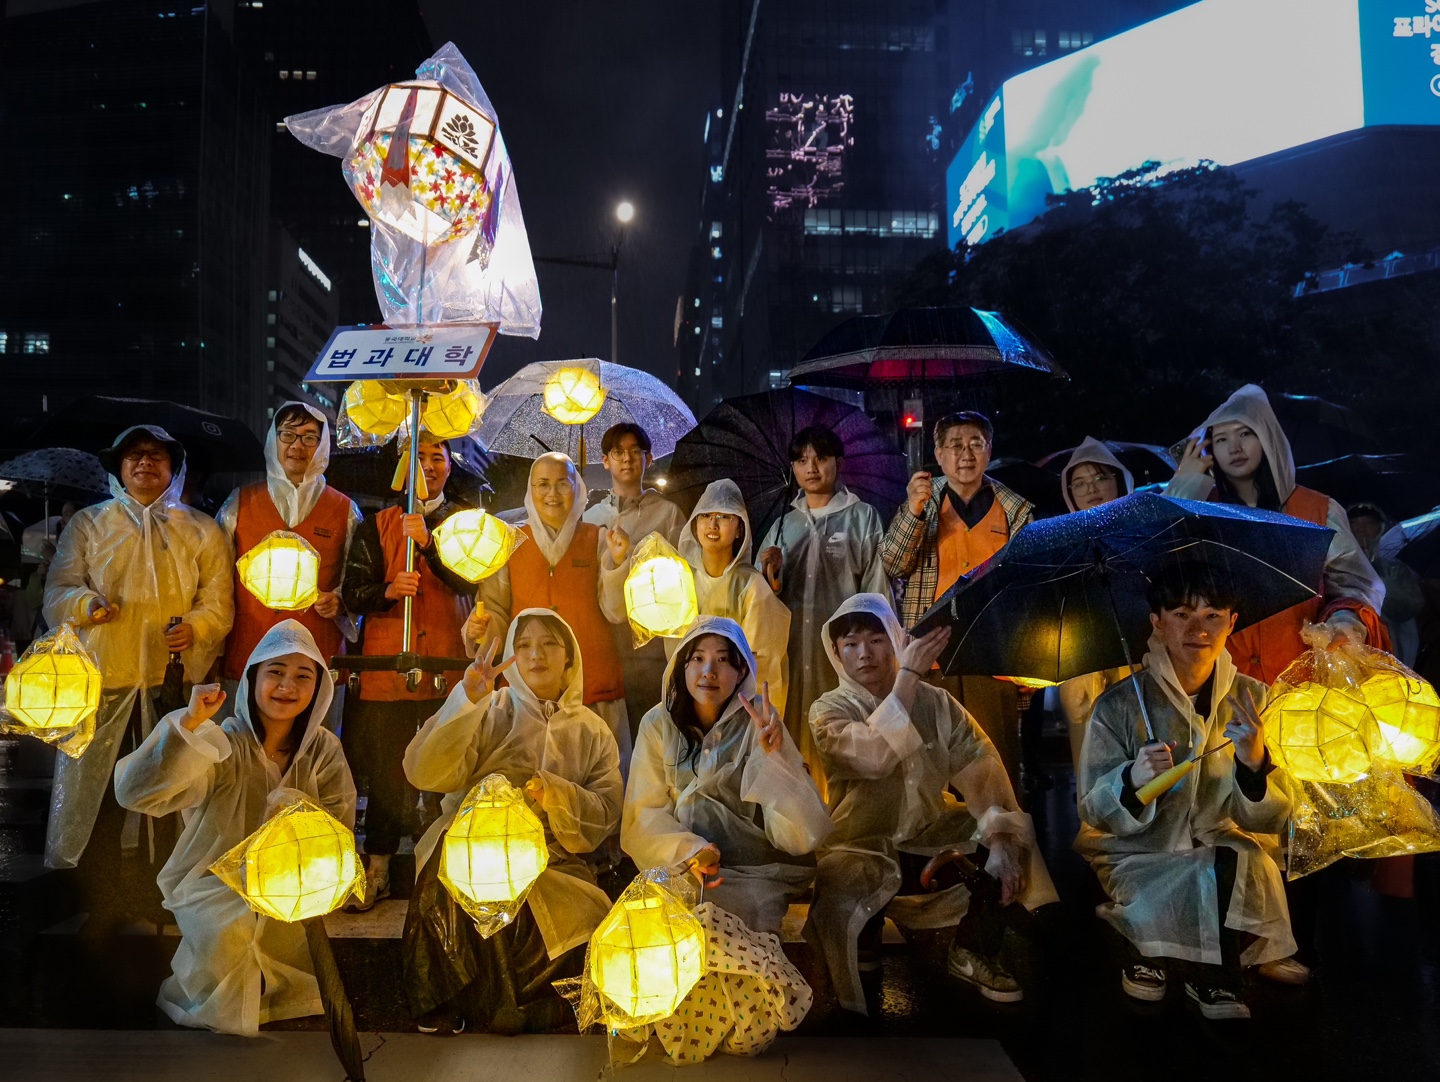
495,848
452,414
282,571
646,956
373,409
1408,713
574,395
300,864
1321,734
660,596
475,545
1029,683
53,689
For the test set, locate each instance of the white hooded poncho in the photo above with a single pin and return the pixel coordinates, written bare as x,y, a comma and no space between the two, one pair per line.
155,562
760,810
235,969
889,773
513,733
1095,453
1159,869
740,593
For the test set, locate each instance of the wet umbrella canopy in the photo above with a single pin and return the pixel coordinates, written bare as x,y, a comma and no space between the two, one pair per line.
217,443
1399,484
63,467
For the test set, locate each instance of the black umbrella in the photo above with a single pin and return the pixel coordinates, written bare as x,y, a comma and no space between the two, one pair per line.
748,440
1415,542
366,475
1398,484
344,1038
57,467
1038,485
918,345
1147,463
212,442
1067,596
1319,430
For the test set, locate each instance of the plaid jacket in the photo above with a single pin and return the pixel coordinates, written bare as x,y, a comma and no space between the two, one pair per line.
910,552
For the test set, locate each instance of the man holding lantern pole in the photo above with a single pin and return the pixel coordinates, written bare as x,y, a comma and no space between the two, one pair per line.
1190,883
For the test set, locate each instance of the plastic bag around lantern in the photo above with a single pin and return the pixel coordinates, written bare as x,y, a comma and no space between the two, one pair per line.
448,415
371,411
492,853
1378,816
282,571
53,691
301,863
1407,712
475,545
659,591
574,395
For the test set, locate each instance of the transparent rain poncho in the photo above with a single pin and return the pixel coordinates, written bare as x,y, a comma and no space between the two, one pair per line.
889,772
234,968
567,745
155,562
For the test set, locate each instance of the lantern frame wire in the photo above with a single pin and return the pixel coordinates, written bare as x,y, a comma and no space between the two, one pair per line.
30,710
651,559
259,572
476,544
493,819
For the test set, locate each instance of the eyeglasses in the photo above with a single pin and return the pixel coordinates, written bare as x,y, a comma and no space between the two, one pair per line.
716,518
288,437
974,445
544,487
158,455
636,453
1091,484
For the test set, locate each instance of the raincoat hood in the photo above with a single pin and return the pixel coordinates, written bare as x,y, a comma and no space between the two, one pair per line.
290,499
1097,454
1250,406
723,497
110,457
289,637
1157,663
572,692
728,629
878,606
555,543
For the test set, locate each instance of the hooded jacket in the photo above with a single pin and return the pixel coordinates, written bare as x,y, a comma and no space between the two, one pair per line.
1096,453
220,780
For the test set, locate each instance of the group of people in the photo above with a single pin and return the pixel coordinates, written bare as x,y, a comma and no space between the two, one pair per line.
796,742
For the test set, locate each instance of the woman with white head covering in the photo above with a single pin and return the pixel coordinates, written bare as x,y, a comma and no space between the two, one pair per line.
716,543
893,746
235,969
717,784
537,732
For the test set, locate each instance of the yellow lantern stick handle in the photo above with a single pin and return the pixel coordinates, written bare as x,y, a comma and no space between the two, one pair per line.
1162,783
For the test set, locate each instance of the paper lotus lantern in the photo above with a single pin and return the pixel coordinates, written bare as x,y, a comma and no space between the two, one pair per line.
1319,733
647,954
1407,712
492,853
419,163
55,685
659,591
574,395
282,572
451,414
301,863
475,545
373,409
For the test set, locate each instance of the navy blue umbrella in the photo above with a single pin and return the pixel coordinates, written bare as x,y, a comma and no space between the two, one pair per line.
1067,595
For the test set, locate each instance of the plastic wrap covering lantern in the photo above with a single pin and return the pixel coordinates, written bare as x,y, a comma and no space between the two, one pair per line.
282,572
1319,733
492,853
448,415
55,686
647,954
659,591
1408,714
374,409
301,863
574,395
475,545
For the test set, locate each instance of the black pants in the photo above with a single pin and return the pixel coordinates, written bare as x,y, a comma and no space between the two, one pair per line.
375,736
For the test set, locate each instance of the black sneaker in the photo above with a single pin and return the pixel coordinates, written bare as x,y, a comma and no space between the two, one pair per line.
1216,1003
1144,981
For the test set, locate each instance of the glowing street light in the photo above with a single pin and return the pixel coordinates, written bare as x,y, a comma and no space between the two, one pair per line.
625,212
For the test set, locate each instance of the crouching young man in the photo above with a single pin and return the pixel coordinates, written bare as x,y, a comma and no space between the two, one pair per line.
1191,886
891,746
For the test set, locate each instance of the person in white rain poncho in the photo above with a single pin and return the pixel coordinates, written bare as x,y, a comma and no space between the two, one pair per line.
1188,879
892,745
717,543
537,733
717,783
824,550
236,969
123,571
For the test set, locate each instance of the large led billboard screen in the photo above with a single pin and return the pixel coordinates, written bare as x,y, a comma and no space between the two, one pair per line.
1221,80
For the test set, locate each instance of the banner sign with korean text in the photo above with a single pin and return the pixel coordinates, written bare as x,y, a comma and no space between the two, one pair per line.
454,351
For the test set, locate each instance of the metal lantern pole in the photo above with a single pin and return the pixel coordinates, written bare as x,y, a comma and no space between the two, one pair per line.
411,484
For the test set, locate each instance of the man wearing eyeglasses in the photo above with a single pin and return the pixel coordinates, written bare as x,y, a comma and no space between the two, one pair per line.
295,498
947,529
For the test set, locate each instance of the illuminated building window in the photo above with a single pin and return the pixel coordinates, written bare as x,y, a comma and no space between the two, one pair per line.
309,76
36,342
832,221
1029,42
4,341
846,299
1075,39
715,230
717,322
284,75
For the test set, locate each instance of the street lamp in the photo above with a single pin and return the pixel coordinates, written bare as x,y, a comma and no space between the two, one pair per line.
624,214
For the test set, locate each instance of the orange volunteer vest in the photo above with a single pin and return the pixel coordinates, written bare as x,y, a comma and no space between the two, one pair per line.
961,549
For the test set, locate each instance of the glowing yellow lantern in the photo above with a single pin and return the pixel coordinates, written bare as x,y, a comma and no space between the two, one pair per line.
1320,734
55,685
574,395
493,852
475,545
1408,714
646,956
1028,683
660,591
451,414
301,863
282,571
374,409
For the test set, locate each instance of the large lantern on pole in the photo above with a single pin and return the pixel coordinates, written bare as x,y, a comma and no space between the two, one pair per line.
492,853
647,954
374,408
282,572
448,415
55,686
474,544
659,591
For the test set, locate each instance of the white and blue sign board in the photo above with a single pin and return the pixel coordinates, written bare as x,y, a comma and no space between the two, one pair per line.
378,352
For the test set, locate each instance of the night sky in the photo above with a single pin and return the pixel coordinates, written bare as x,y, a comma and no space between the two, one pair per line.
597,103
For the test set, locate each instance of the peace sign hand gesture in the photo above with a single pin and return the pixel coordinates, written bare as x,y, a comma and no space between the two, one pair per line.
767,722
480,676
